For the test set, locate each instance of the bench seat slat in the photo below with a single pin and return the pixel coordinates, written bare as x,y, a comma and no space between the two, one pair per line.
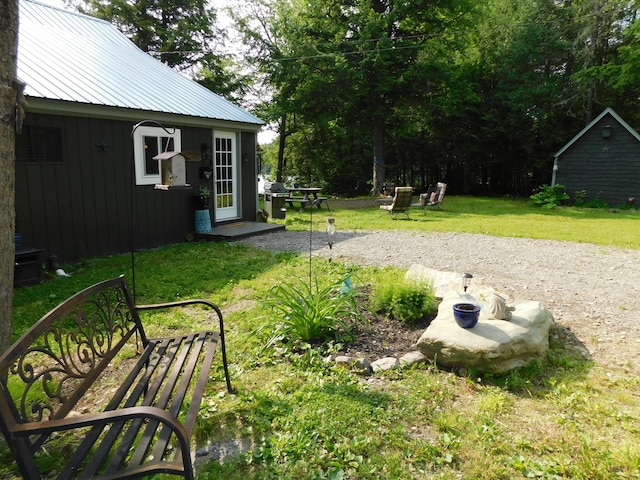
211,343
129,438
146,363
183,370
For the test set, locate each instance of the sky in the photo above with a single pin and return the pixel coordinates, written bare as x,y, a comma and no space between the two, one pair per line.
264,137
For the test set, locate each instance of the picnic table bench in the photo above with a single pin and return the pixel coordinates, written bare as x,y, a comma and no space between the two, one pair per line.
148,421
304,201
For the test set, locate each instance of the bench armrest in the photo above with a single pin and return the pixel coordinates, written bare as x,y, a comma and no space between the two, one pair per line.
182,303
105,418
108,418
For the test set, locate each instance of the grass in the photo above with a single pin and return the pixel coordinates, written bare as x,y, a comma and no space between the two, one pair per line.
560,417
489,216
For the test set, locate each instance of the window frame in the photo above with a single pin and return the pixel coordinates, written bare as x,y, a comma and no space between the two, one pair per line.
142,177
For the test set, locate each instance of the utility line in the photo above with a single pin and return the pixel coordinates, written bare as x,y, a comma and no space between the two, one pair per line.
421,36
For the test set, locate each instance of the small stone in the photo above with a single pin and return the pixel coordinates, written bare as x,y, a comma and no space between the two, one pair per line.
344,360
386,363
361,364
411,358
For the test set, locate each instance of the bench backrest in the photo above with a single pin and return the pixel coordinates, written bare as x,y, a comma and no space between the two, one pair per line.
46,372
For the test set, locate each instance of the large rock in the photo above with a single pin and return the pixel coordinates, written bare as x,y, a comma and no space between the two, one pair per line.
443,282
493,345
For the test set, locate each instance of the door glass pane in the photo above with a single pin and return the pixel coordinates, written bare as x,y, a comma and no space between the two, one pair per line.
224,171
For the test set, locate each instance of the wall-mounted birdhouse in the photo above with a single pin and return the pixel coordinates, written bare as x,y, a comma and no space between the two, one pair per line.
172,170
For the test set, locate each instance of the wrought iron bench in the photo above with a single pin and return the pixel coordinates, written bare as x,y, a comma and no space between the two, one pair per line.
147,423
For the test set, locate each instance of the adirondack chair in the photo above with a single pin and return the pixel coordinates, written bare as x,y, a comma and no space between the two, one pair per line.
433,198
401,202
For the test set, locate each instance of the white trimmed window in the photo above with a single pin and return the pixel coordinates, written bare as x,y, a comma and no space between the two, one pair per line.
147,143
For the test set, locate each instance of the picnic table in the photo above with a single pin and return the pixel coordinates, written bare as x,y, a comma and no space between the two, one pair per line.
305,199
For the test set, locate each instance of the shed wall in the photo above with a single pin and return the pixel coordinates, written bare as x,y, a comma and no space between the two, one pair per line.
608,169
84,205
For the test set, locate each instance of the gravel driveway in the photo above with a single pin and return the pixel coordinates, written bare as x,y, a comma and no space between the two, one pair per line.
590,289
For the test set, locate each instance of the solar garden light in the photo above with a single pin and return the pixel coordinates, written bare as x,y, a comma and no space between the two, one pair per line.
466,280
331,231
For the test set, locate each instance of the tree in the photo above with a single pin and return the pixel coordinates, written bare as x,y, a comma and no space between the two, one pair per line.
10,121
340,69
179,33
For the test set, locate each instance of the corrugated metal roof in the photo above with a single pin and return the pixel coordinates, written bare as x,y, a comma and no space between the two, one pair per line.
68,56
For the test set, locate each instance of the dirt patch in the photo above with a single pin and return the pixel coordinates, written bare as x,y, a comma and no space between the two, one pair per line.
379,336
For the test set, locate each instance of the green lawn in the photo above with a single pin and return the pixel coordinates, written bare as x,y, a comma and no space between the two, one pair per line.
563,417
489,216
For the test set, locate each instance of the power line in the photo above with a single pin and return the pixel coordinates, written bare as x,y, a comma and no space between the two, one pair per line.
351,42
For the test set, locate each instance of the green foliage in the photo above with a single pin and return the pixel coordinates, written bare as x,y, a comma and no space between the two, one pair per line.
311,311
595,203
549,197
580,198
406,301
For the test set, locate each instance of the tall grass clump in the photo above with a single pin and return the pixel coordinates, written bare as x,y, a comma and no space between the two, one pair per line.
401,299
305,311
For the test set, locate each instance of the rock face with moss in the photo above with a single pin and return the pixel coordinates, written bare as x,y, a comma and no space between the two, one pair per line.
493,345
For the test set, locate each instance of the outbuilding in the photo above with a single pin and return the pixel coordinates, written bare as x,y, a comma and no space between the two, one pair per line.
94,159
602,162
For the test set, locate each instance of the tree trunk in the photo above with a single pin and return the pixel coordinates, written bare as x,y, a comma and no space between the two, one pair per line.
378,155
281,144
9,98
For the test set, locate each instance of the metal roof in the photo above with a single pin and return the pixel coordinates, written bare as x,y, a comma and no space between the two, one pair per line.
71,57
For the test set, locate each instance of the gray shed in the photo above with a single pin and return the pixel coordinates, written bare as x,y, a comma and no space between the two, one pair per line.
603,160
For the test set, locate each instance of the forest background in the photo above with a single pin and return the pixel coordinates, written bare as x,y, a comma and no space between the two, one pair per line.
477,94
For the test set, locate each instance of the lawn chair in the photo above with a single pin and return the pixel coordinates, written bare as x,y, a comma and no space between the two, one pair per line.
433,198
401,202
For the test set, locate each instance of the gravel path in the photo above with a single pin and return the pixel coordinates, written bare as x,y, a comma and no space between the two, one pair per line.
591,290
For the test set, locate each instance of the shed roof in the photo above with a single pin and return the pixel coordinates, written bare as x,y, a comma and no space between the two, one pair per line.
70,57
608,111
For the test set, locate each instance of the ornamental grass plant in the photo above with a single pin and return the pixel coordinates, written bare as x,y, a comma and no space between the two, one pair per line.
303,310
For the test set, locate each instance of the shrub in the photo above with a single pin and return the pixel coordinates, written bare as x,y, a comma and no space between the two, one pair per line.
309,313
581,198
393,295
549,197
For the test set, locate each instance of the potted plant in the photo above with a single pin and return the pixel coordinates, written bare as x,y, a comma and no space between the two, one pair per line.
202,199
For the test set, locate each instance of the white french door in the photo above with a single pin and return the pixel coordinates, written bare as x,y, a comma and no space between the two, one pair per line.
226,176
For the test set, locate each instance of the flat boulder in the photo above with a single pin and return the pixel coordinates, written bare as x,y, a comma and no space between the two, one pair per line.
493,345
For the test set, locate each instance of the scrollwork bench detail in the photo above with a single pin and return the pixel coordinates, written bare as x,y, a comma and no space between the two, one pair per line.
147,424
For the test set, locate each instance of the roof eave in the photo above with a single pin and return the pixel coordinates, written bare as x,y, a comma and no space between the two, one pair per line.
65,108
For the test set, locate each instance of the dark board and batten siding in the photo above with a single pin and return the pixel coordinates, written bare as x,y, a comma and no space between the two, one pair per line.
81,206
607,169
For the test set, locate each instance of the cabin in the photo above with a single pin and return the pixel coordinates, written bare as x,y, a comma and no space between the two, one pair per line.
116,146
602,160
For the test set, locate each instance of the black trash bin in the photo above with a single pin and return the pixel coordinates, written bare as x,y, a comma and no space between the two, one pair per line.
275,194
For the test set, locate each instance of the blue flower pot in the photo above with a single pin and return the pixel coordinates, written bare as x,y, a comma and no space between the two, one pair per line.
466,314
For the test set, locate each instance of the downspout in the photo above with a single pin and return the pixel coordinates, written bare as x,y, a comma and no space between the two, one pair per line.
555,170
